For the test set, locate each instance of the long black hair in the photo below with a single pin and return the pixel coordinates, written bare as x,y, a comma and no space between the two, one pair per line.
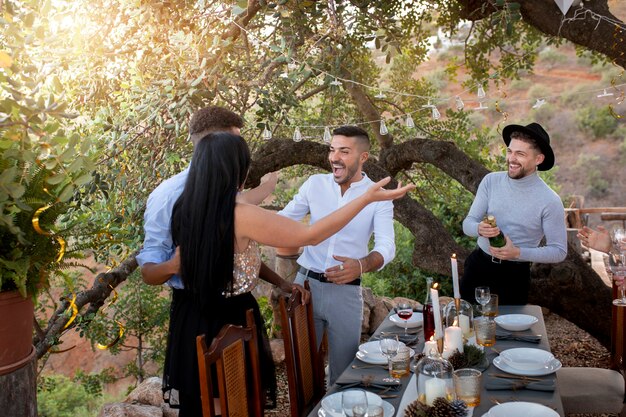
203,218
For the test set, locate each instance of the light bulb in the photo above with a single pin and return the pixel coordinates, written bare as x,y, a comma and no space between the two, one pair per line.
540,102
459,103
327,136
481,106
481,92
335,82
380,94
297,136
605,94
383,128
267,134
409,121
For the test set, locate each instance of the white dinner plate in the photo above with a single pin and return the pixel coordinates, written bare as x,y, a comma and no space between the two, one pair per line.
333,402
516,322
527,359
416,320
551,368
520,409
370,353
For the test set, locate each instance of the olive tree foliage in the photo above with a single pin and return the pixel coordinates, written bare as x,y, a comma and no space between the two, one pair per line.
134,72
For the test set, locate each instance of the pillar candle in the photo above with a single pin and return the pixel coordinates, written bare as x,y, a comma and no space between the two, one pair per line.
464,323
434,388
434,295
453,340
428,346
455,276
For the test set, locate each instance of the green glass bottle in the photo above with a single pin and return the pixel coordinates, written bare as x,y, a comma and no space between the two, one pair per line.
496,241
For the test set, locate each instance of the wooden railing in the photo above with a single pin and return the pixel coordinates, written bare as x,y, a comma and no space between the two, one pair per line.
576,217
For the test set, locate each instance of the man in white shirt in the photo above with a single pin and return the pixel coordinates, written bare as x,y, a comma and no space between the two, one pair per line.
334,267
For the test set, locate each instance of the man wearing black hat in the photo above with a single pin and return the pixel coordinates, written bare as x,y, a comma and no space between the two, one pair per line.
526,211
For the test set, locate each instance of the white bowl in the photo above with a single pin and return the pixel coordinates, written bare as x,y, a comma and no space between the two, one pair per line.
527,359
516,322
521,409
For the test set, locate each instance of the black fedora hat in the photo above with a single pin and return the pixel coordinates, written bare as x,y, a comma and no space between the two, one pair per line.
535,131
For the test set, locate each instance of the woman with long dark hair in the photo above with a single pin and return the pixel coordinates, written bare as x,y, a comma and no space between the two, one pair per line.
219,256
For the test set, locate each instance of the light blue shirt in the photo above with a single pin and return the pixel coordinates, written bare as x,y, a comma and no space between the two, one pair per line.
320,195
526,210
158,245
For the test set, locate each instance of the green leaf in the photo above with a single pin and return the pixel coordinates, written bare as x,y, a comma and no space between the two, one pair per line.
83,179
56,179
67,193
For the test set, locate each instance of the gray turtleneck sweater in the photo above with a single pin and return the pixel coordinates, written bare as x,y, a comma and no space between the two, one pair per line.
526,210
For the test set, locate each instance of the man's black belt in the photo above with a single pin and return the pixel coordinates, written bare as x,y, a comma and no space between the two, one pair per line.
495,260
321,277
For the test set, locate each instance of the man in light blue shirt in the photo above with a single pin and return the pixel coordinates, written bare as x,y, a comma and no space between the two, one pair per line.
158,258
334,267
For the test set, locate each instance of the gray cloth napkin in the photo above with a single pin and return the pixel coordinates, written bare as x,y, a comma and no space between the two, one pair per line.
408,339
520,337
493,383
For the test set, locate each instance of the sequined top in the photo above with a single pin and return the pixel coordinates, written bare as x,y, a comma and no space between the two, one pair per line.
247,265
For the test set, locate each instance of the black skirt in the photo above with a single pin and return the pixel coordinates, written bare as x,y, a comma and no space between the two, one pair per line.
181,386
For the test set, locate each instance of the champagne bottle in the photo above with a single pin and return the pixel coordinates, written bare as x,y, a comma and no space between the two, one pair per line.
496,241
429,318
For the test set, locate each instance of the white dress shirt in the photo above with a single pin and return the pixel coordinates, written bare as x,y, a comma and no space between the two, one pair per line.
320,196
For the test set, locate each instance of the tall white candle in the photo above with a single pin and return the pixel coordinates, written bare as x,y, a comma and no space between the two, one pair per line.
455,276
434,295
434,388
453,340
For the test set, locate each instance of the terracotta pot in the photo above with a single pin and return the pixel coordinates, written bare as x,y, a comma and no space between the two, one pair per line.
16,331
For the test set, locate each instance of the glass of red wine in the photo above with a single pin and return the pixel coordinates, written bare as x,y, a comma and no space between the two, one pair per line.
404,311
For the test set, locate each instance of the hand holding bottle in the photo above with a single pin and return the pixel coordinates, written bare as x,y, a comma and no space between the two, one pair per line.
490,230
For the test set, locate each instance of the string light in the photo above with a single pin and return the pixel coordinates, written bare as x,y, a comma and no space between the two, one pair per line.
335,82
297,136
540,102
383,128
267,134
435,113
481,106
380,94
604,94
409,121
481,92
327,136
459,103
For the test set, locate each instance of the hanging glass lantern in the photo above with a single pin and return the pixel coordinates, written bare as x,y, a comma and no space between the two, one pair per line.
409,121
459,103
463,319
297,136
267,134
383,128
434,378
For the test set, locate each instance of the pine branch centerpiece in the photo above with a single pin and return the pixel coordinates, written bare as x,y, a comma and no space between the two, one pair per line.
441,408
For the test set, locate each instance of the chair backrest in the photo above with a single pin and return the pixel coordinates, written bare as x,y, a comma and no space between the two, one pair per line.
233,352
618,337
303,360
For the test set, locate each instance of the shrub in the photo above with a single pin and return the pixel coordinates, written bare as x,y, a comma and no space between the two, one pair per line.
59,396
596,120
552,57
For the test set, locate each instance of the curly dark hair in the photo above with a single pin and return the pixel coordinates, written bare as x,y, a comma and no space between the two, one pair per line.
214,119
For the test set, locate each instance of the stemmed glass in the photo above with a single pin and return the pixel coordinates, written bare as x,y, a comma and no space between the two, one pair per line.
618,238
483,295
354,402
389,346
404,311
617,265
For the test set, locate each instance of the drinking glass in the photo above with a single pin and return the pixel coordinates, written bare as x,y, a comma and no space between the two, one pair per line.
617,264
485,328
354,402
483,295
618,238
404,311
389,346
467,385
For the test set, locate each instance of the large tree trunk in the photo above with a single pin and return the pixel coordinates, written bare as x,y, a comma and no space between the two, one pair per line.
574,291
18,391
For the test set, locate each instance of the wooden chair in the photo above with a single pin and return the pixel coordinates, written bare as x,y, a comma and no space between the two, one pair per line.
234,353
303,360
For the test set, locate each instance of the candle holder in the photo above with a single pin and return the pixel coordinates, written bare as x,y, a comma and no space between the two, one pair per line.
459,313
434,378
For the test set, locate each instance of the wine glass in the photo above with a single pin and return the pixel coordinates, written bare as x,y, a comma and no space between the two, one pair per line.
389,346
404,311
483,295
618,238
617,265
354,402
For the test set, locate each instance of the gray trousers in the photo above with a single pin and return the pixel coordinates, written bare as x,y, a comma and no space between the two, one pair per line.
338,309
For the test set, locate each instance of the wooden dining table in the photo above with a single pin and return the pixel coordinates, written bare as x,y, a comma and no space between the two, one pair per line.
489,398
